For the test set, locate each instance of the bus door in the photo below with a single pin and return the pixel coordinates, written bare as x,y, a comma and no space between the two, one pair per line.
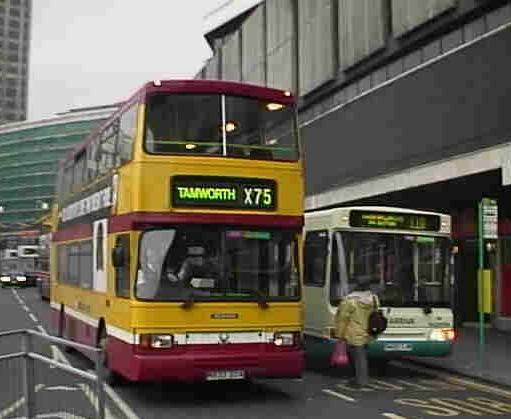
316,259
338,276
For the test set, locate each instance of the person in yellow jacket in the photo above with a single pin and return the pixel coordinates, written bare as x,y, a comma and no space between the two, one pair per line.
352,321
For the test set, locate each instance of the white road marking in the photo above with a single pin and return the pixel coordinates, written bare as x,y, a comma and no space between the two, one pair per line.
34,318
24,307
128,411
392,416
52,347
5,413
339,395
61,388
53,415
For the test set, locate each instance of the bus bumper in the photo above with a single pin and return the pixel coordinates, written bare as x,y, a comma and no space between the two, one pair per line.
387,349
204,362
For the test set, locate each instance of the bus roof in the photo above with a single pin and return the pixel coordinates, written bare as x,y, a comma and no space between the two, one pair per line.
338,210
187,86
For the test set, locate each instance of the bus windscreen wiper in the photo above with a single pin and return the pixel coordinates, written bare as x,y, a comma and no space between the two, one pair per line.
188,302
261,298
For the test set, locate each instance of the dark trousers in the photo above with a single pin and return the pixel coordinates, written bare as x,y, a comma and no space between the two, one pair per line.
359,364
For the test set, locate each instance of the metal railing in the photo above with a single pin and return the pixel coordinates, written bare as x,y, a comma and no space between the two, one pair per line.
29,357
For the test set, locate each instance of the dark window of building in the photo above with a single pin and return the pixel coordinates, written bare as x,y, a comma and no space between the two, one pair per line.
498,17
10,92
452,40
13,57
14,24
15,12
15,3
14,34
316,250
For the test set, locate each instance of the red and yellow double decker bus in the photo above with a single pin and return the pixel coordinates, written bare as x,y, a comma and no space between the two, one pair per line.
177,245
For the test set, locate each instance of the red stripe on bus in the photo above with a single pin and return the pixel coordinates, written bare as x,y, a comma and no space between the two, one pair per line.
78,231
137,221
141,220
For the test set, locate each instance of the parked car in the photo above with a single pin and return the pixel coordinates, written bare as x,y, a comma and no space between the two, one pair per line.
18,279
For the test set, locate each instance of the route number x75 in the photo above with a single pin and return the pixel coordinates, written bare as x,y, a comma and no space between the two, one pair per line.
257,197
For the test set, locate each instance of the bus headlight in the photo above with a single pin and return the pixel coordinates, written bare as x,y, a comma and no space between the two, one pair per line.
5,278
442,335
285,339
157,341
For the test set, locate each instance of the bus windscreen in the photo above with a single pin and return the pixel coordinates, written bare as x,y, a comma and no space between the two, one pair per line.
403,270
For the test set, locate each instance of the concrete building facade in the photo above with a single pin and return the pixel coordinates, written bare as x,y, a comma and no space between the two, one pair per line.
401,103
15,18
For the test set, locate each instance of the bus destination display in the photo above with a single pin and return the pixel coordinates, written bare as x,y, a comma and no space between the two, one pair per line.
394,221
219,192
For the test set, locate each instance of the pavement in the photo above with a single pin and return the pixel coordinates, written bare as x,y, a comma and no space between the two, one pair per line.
495,366
404,390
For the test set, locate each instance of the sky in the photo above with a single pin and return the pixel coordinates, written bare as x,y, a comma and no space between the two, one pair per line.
96,52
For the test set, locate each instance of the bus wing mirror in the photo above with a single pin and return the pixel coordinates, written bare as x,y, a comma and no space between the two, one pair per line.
118,256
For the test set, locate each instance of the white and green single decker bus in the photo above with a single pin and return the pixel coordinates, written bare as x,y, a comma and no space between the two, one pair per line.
404,254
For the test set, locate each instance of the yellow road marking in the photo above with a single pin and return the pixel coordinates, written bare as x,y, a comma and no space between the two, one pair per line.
392,416
467,382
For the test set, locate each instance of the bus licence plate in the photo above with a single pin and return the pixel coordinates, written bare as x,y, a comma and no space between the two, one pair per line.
225,375
397,347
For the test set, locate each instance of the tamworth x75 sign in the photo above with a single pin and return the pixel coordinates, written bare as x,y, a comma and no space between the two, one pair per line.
221,192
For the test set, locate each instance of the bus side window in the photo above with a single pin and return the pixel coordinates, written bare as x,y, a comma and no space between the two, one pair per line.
121,258
316,252
127,130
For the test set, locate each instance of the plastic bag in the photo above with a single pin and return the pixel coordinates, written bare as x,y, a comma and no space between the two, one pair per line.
339,357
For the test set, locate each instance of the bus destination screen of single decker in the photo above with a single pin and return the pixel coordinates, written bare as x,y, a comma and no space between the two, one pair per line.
394,221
